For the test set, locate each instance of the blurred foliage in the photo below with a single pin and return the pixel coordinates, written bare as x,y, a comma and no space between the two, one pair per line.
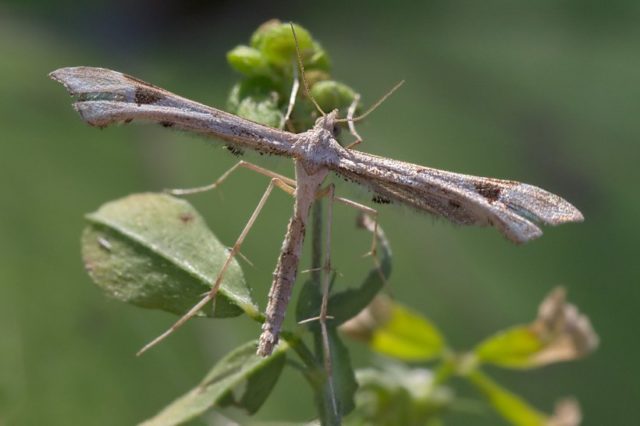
559,333
544,92
396,395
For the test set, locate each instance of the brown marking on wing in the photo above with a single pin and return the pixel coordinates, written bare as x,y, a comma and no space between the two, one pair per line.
238,152
243,132
377,198
146,96
488,190
423,199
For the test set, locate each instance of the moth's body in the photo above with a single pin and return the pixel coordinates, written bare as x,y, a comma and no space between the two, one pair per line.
106,97
309,178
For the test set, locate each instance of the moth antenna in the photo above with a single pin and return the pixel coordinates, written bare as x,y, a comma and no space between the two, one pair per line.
374,106
301,66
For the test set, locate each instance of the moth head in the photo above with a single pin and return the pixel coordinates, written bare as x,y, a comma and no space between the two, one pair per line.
329,123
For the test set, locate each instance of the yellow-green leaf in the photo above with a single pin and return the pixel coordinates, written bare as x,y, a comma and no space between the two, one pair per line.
407,335
248,61
332,95
511,348
276,42
509,405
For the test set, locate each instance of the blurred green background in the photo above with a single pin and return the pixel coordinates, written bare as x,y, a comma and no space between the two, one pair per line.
545,92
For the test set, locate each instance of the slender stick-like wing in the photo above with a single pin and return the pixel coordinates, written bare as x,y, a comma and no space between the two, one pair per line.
105,97
512,207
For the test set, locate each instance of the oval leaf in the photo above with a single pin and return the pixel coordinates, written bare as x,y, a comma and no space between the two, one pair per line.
407,335
559,333
242,366
319,60
155,251
276,42
331,95
341,390
514,347
248,61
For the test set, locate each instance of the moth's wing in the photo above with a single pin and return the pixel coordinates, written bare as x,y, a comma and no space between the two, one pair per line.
512,207
91,85
462,209
89,81
105,97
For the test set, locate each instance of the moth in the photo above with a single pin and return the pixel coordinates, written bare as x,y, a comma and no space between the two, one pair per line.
104,97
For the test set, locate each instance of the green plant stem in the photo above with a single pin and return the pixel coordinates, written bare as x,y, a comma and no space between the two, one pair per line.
443,372
301,349
315,375
327,394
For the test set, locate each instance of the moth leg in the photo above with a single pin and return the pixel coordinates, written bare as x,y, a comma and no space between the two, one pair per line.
326,268
370,223
247,165
367,219
275,182
350,120
292,97
352,109
366,210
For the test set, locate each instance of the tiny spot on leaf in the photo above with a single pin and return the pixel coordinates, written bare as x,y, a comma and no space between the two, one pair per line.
186,217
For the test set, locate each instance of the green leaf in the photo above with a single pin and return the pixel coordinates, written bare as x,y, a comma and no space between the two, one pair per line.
559,333
276,42
348,303
344,386
332,95
248,61
319,60
260,384
256,99
222,385
407,335
514,347
155,251
308,304
262,31
510,406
